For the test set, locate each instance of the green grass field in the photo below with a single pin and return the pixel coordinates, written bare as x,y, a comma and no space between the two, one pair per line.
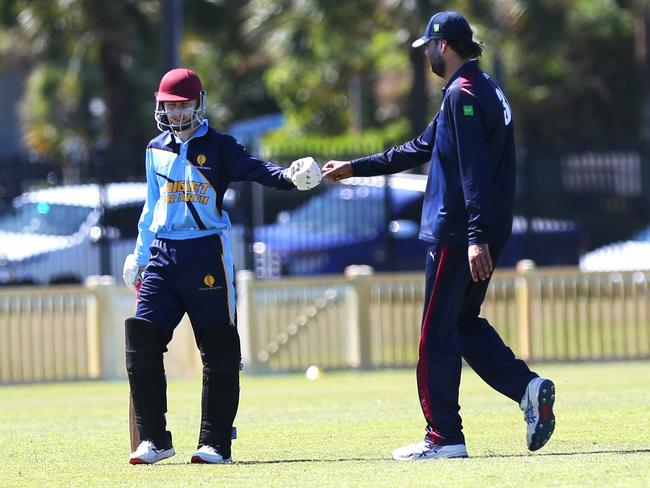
336,431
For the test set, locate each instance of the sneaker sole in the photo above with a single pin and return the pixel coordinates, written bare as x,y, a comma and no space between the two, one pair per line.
200,460
546,423
429,458
458,454
142,461
138,461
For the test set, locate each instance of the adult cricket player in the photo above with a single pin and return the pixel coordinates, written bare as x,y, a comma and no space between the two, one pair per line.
466,219
182,263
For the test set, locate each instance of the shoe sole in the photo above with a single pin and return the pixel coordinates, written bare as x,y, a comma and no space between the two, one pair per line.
546,422
458,454
200,460
430,458
142,461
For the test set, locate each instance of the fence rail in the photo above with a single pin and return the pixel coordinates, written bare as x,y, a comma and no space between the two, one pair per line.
358,320
365,320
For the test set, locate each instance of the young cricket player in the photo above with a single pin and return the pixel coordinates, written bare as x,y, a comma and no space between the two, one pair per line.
182,263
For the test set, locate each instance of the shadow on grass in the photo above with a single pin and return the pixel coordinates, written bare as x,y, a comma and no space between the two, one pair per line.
279,461
575,453
484,456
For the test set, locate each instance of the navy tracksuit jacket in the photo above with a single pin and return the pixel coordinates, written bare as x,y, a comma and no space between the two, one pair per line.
468,200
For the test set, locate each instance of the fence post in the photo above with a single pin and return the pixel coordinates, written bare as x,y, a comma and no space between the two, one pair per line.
525,268
109,322
359,337
93,342
246,322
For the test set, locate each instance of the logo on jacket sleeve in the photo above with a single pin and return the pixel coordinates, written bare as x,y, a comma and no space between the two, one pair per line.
468,110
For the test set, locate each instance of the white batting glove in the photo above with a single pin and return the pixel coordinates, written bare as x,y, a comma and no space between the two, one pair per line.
132,272
304,173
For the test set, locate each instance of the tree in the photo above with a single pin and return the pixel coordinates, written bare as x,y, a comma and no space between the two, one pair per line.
89,70
228,61
330,67
563,64
326,60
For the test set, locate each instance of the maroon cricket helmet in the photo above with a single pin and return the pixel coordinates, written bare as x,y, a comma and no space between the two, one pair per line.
179,85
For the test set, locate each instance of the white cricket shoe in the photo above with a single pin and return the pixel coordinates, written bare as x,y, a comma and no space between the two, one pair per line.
209,455
424,450
148,453
537,405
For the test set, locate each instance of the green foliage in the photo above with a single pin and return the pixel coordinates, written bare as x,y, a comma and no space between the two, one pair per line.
572,78
82,94
38,112
228,61
283,145
336,431
326,59
569,67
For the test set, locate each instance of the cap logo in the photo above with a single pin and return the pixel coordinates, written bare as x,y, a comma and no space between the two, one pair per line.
201,159
436,27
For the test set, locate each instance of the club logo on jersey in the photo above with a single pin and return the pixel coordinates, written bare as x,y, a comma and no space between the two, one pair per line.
201,159
468,110
209,280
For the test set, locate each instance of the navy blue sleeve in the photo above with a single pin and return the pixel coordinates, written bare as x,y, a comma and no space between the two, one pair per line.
399,158
244,167
474,161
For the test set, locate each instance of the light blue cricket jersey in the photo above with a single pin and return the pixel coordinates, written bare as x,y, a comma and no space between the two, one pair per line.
186,182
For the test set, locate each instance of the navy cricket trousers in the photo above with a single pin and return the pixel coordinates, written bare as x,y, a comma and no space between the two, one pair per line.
190,275
452,330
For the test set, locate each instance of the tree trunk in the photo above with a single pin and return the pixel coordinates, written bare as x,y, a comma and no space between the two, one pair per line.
642,52
117,103
418,95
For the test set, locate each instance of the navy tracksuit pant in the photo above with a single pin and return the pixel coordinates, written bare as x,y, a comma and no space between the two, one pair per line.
451,331
193,276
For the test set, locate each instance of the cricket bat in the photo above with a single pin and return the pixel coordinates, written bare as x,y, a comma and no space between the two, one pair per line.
133,428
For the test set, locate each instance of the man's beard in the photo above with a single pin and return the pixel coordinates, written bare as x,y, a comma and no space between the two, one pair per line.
438,66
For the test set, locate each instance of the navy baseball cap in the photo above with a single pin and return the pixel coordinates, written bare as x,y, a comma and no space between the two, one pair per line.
451,26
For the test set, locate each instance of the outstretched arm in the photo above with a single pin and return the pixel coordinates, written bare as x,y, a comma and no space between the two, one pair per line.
244,167
400,158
